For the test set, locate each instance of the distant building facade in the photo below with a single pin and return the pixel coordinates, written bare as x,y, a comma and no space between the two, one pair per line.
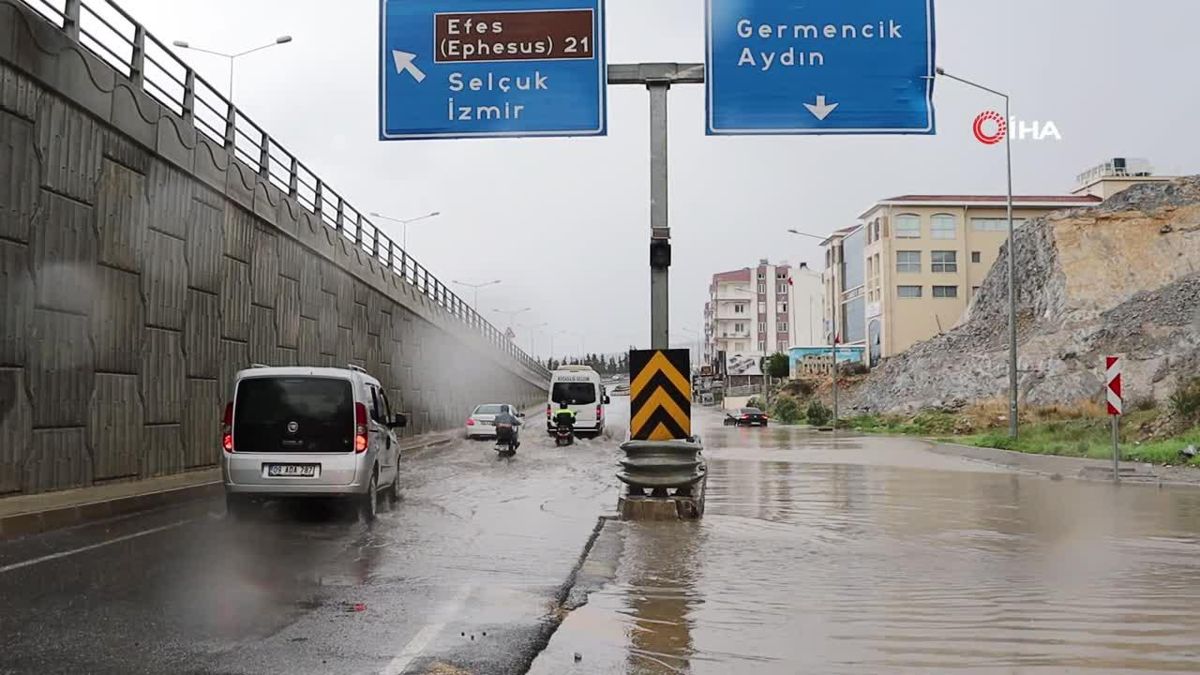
762,310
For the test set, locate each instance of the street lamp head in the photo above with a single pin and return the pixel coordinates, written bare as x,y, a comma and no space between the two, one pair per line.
283,39
181,44
940,70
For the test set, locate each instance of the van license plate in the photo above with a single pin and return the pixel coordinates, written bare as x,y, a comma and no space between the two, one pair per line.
292,470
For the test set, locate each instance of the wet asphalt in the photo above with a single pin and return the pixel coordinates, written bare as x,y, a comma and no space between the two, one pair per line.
824,554
464,574
817,553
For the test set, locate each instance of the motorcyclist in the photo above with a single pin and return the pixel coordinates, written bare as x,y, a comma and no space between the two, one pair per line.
508,429
564,416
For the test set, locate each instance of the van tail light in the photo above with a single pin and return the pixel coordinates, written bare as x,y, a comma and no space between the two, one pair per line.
599,412
360,428
548,409
470,421
227,428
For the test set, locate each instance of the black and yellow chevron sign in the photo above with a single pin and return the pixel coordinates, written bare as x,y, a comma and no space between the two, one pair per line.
660,392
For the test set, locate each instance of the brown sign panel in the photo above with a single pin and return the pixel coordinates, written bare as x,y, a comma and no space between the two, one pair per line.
557,35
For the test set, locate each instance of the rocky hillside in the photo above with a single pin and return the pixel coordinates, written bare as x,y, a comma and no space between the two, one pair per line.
1121,278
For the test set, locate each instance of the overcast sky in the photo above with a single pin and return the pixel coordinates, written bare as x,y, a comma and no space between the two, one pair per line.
1117,77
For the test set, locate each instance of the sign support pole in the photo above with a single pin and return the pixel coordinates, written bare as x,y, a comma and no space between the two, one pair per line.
1116,440
657,78
660,231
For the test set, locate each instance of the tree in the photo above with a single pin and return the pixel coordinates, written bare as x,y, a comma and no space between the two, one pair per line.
778,365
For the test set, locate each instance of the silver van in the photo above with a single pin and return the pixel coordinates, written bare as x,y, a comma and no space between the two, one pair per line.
309,432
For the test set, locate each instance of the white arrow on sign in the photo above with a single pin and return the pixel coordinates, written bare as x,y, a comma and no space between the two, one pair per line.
821,110
404,61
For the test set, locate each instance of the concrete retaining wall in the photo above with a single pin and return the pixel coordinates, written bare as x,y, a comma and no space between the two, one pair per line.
141,267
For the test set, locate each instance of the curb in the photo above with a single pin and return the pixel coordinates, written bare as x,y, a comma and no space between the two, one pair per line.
37,522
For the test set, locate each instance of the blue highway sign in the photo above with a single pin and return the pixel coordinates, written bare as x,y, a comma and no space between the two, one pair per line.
820,67
491,68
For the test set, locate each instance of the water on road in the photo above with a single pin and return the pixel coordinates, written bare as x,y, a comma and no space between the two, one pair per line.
866,555
463,573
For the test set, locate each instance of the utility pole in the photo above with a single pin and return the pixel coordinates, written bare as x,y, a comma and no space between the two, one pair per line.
835,383
658,78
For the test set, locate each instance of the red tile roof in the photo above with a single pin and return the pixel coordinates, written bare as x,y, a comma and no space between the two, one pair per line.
737,275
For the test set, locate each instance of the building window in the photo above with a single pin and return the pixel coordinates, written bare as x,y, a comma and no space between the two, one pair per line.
739,309
762,288
994,224
945,291
762,327
974,291
944,261
783,307
976,257
908,226
908,291
739,328
943,226
783,328
875,226
908,262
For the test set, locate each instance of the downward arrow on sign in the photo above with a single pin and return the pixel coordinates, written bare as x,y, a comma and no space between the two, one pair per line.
404,61
821,110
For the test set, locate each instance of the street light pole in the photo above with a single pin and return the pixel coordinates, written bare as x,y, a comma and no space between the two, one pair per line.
405,223
1013,422
281,40
475,288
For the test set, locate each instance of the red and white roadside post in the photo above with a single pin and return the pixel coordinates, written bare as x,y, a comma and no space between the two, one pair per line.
1116,407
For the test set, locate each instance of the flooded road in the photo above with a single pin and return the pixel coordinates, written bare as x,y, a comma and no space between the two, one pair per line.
871,555
462,575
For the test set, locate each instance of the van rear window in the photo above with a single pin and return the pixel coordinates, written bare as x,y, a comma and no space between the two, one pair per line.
293,414
574,393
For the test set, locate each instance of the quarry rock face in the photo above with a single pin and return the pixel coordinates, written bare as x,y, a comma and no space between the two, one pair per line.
1120,278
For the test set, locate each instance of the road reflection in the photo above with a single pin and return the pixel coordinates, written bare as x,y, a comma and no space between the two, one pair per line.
867,555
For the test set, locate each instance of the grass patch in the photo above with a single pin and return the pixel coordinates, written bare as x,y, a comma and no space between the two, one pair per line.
1086,438
1066,431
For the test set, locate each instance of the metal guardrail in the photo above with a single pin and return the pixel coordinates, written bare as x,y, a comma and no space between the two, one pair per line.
114,36
658,466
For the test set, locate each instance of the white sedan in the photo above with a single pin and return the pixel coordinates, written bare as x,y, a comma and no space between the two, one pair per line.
481,423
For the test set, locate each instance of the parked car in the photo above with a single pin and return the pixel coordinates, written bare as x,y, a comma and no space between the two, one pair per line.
309,432
746,417
481,424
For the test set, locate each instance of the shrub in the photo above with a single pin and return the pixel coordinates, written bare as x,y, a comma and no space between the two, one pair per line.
756,402
818,415
800,388
854,368
1185,402
787,409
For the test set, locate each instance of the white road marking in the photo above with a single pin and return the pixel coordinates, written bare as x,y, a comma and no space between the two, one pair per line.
417,645
91,547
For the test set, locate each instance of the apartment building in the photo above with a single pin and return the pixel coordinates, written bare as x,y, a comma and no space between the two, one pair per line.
925,256
756,311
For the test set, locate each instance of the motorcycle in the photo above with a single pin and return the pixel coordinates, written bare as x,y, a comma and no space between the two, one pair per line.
564,433
506,440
